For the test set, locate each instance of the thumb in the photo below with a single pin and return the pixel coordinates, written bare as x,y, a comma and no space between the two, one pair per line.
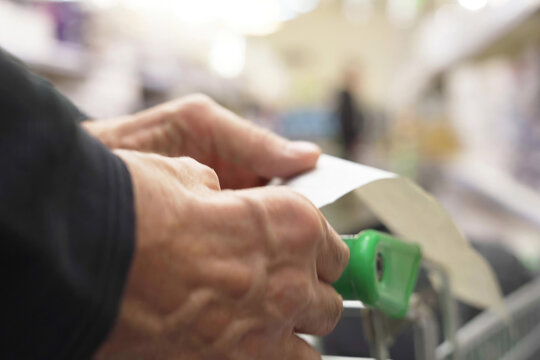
259,150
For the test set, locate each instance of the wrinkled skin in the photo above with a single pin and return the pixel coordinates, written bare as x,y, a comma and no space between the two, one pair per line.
220,274
242,155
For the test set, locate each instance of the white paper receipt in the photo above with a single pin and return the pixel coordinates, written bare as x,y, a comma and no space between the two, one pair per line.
334,177
411,214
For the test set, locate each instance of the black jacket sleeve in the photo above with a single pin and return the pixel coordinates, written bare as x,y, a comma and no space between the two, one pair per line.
66,224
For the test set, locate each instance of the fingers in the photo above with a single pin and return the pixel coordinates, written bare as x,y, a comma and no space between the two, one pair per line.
302,221
299,349
333,254
259,150
300,226
303,240
322,313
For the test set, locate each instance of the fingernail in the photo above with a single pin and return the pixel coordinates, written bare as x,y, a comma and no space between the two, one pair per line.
304,147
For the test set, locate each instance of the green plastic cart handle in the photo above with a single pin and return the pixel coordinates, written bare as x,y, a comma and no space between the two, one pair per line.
382,272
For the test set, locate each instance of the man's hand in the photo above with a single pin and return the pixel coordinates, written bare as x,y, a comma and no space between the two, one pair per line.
242,154
223,274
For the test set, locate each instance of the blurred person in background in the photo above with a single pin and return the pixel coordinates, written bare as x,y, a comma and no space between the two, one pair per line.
349,113
113,251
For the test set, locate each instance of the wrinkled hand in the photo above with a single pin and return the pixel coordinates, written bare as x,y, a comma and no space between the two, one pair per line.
242,154
223,274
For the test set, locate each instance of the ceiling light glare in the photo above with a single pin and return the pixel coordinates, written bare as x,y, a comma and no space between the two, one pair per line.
191,12
496,3
473,5
303,6
248,17
103,4
228,54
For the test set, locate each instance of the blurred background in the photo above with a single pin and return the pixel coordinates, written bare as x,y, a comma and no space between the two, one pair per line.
446,92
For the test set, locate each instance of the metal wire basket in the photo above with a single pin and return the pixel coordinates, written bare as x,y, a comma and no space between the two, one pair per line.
490,337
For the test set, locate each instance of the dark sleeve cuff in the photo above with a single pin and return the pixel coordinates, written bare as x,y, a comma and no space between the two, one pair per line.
67,224
106,230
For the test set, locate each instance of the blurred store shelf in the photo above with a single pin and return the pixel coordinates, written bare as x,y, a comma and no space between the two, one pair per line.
453,35
499,186
32,38
63,60
480,32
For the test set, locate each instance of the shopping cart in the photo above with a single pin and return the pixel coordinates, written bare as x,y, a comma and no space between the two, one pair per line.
488,336
385,283
382,273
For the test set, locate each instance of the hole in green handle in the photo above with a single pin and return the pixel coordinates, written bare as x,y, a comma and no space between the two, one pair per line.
379,266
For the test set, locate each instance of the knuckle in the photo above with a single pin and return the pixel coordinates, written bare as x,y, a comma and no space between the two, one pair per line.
300,288
288,219
211,177
199,98
200,102
309,220
253,208
203,173
291,292
195,105
207,175
303,285
305,219
264,137
308,214
185,163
